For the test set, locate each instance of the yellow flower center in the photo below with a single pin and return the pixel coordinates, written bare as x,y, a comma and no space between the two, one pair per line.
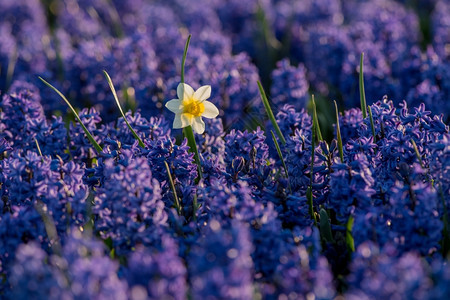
193,107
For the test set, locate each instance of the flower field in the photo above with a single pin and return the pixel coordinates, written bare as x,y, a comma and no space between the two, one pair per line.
224,149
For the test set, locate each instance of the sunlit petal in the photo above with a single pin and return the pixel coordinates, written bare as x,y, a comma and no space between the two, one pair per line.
203,93
198,125
175,106
210,111
186,120
184,91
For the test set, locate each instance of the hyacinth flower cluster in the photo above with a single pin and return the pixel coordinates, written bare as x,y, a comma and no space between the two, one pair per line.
302,202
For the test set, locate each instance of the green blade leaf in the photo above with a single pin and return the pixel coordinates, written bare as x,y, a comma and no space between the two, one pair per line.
113,90
174,191
325,226
282,159
86,131
362,94
348,234
270,113
309,194
338,133
183,61
316,120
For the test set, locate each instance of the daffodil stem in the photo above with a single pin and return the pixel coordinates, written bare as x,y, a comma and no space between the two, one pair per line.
189,134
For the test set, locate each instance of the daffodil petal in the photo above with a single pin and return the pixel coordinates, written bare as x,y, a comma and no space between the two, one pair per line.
198,125
177,122
184,91
203,93
186,120
175,106
210,111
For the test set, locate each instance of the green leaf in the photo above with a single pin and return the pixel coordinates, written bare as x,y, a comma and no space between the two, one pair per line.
325,226
113,90
309,197
86,131
309,194
348,234
270,113
372,124
316,120
362,94
282,159
183,61
338,133
174,191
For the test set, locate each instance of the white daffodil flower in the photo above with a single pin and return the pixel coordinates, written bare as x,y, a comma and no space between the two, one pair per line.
191,106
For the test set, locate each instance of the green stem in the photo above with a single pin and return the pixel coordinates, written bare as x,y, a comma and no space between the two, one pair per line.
189,134
338,133
269,111
277,146
372,124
